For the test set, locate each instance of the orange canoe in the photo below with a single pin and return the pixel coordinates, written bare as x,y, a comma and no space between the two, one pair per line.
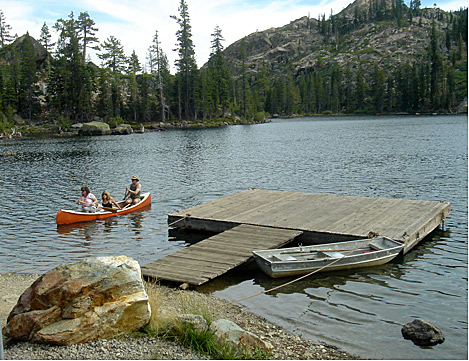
65,216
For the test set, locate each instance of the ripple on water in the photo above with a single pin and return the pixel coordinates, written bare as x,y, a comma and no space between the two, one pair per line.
361,311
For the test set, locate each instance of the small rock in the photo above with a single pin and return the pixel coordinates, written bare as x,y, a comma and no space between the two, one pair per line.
8,153
184,286
422,333
197,321
232,333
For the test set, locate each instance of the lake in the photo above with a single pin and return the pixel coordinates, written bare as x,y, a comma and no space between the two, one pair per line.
361,311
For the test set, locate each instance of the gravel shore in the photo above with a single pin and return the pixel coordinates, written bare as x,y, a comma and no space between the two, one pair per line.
286,346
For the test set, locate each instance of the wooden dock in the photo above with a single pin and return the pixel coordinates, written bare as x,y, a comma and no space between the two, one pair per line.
216,255
250,220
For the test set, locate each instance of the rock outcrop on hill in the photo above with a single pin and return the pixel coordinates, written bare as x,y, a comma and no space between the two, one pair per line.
42,56
302,43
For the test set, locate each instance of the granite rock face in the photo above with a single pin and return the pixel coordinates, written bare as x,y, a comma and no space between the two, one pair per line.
79,302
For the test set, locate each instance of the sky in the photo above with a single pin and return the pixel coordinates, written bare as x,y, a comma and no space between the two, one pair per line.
134,22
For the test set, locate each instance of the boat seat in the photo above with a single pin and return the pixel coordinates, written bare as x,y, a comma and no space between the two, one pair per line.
376,246
333,254
284,257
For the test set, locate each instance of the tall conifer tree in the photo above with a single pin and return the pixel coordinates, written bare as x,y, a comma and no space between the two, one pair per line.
186,64
5,29
87,32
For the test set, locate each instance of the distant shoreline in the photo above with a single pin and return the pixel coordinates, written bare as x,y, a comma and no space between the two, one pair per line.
45,131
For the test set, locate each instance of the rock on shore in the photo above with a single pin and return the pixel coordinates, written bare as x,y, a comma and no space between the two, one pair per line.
286,346
82,301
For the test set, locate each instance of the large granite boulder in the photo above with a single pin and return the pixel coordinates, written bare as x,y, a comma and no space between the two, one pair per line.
231,333
422,333
94,128
79,302
122,129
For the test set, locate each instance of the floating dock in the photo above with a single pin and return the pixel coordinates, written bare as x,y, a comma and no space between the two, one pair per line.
262,219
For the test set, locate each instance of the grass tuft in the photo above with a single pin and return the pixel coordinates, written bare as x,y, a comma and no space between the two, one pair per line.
164,323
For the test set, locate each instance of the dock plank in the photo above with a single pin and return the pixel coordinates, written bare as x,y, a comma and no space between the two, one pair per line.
216,255
328,214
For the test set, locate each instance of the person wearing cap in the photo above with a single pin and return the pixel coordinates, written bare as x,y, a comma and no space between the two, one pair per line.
133,192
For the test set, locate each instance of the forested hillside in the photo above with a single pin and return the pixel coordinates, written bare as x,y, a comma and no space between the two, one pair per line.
376,56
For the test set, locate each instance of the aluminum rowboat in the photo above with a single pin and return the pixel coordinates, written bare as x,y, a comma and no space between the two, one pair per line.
295,261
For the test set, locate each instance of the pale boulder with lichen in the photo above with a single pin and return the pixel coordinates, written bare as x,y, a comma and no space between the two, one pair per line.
79,302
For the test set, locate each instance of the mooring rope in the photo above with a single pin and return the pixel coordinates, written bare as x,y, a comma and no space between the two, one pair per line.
96,251
372,234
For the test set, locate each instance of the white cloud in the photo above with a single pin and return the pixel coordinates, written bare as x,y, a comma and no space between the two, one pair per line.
134,22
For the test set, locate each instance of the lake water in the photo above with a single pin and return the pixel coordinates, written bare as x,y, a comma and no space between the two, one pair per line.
360,311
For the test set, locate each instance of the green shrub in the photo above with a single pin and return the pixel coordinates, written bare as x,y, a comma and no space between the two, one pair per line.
64,122
115,121
259,117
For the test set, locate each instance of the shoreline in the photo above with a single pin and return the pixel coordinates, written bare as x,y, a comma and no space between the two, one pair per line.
52,131
27,131
286,346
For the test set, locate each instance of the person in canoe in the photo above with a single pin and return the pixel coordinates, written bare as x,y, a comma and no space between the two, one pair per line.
108,201
133,192
87,201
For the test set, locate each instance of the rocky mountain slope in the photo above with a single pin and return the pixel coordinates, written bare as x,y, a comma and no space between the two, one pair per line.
368,39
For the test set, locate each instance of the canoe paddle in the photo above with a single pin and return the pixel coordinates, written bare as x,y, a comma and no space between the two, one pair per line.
109,209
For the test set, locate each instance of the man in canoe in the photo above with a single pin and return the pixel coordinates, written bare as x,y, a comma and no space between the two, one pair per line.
133,192
87,200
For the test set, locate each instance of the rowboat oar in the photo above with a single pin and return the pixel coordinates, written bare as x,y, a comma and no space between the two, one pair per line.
324,250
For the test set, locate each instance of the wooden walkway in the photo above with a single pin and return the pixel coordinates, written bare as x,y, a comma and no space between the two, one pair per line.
216,255
262,219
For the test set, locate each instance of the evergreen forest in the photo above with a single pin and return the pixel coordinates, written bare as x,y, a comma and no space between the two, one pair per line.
56,83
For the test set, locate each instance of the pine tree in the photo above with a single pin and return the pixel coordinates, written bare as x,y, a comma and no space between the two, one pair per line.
360,89
217,71
378,89
5,29
436,69
159,65
244,80
87,32
112,55
67,78
133,68
185,64
45,38
28,76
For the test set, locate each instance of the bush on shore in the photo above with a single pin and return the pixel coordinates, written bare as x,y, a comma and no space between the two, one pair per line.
164,323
